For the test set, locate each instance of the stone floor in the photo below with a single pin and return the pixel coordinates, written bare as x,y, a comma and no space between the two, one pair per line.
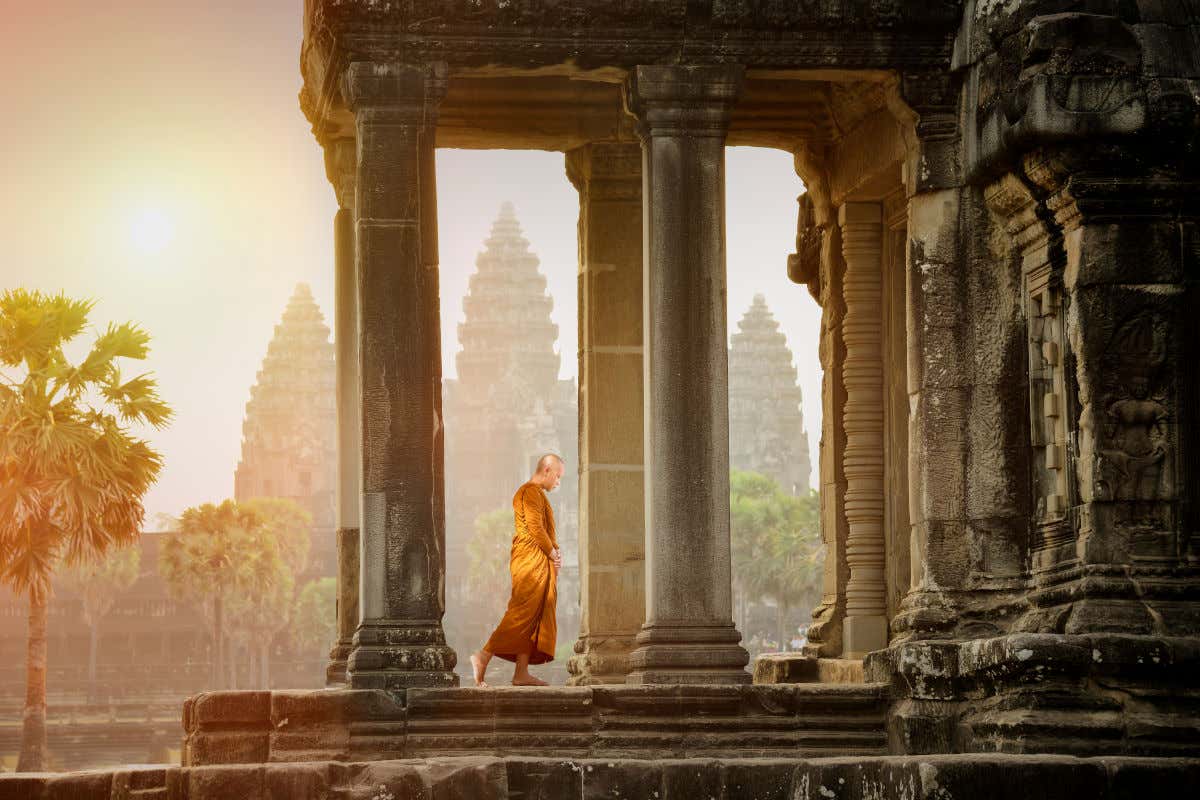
952,777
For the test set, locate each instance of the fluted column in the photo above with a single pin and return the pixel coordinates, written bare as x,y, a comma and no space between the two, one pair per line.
689,636
862,373
399,641
611,512
341,166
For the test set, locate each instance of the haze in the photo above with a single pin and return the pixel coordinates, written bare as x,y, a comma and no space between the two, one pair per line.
156,160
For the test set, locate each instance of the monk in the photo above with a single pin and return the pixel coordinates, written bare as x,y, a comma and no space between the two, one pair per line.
527,632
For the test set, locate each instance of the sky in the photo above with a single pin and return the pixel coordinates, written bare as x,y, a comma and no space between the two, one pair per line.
155,160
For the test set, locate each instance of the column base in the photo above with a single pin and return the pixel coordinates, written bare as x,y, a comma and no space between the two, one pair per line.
600,660
681,653
335,672
862,635
398,654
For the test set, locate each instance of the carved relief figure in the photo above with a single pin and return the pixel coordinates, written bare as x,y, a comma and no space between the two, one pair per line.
1135,423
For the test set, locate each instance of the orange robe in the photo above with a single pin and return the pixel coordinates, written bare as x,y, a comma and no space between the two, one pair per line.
528,625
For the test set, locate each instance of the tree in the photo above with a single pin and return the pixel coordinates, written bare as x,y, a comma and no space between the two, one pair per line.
287,529
98,586
488,553
72,474
314,621
213,555
289,524
775,541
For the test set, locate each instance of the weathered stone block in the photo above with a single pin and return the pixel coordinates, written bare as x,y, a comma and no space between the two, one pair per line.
784,668
226,782
289,781
614,398
227,747
543,779
249,709
159,783
759,779
692,778
1124,253
77,786
604,780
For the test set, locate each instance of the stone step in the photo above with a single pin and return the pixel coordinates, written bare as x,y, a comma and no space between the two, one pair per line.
601,721
489,778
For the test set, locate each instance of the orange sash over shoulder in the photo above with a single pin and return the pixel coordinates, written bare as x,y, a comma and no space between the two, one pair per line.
528,625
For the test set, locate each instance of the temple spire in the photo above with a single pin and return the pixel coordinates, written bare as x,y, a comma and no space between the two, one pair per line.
766,421
288,434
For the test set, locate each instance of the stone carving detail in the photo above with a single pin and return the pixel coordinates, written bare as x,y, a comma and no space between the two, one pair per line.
862,371
1134,422
1047,396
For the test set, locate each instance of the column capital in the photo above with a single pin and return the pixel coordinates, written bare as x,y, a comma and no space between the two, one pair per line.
669,99
396,91
860,214
607,170
341,168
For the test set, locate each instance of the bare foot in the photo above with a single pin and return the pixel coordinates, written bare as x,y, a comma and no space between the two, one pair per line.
478,667
528,680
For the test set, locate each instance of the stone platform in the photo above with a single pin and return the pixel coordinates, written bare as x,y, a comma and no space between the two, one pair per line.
633,722
951,777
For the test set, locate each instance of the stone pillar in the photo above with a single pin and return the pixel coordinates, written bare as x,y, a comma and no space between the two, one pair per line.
866,622
689,636
611,511
399,641
340,165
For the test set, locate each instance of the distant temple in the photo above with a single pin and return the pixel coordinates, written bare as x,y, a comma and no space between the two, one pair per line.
766,422
289,446
506,408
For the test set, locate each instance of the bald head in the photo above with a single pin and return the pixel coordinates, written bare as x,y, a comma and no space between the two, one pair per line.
550,469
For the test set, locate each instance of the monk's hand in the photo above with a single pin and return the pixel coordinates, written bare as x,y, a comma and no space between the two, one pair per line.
556,558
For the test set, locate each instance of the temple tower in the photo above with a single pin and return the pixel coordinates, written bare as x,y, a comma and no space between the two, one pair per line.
288,435
507,407
766,422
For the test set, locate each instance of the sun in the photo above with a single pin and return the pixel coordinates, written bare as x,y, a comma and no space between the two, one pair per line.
151,230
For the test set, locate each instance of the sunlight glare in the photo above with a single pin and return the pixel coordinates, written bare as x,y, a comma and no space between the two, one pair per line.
152,230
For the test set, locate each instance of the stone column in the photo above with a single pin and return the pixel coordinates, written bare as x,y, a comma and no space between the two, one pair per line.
862,372
612,514
399,641
689,636
340,165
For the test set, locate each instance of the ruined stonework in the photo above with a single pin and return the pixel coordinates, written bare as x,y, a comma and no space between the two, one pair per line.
766,421
288,444
1001,226
507,408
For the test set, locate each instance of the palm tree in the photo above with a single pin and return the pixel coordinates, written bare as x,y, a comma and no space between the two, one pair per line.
315,616
775,543
98,586
280,559
289,525
72,476
208,558
261,604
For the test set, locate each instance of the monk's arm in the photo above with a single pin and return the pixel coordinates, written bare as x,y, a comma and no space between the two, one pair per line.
532,510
